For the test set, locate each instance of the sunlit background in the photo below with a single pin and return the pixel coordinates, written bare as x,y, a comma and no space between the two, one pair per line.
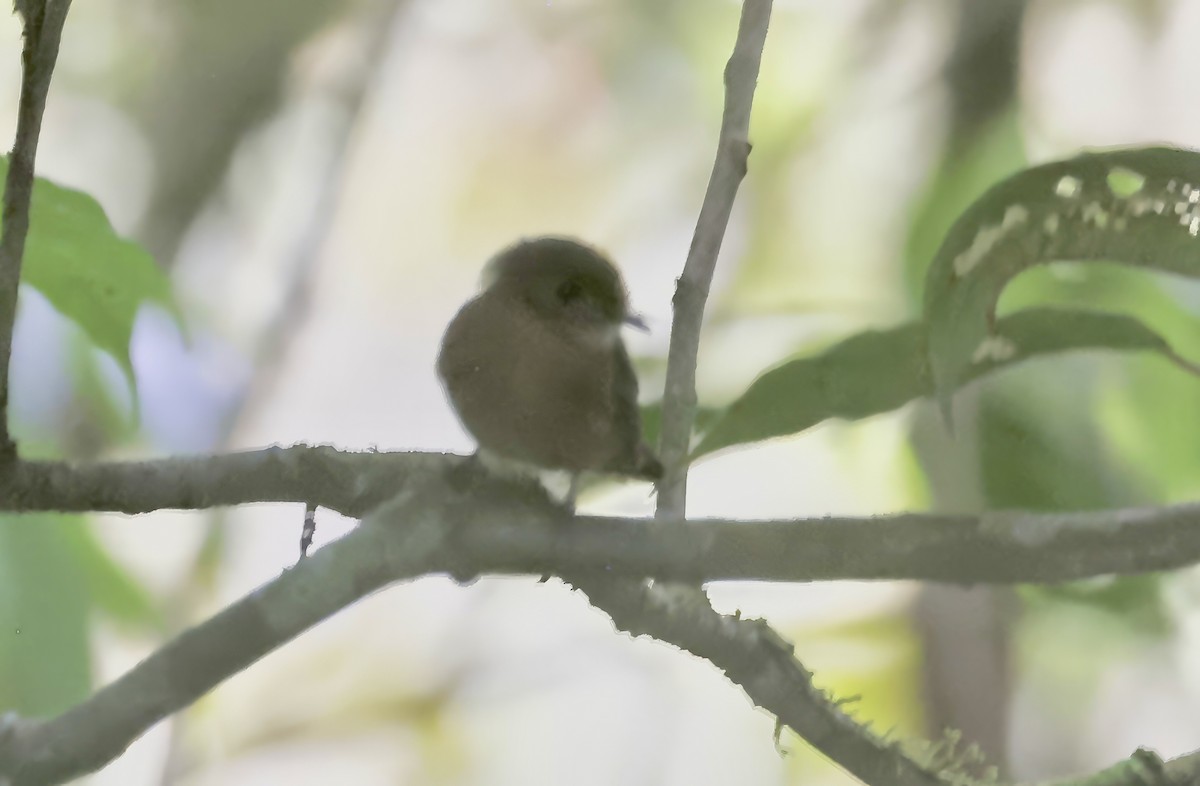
323,181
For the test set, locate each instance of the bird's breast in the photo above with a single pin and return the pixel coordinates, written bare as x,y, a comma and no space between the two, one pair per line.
529,388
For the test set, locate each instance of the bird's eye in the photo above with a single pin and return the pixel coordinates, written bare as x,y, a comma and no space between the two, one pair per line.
569,290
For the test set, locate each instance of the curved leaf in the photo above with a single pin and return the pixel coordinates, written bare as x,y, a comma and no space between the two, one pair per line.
878,371
91,275
1136,206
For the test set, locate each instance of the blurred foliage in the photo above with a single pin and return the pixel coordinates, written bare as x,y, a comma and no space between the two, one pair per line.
1062,464
1129,604
53,572
106,416
208,85
91,275
1149,419
1067,645
53,576
1041,449
1144,408
45,659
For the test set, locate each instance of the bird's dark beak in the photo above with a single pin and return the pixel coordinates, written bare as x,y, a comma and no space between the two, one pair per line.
637,321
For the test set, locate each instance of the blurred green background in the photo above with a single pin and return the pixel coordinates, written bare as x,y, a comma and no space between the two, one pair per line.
322,183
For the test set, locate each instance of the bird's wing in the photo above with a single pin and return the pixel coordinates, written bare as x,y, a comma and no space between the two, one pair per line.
635,457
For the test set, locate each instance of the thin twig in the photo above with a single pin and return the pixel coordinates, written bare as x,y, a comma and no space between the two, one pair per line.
309,530
691,292
43,21
750,653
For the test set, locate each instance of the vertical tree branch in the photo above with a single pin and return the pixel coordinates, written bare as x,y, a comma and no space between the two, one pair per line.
43,30
750,653
691,291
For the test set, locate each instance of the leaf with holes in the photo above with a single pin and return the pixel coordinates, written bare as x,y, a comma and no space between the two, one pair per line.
1138,207
91,275
878,371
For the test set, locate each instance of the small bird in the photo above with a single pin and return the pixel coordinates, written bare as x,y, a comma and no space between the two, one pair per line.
536,369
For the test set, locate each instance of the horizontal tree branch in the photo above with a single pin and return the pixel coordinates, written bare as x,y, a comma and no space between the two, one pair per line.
995,547
461,523
430,527
349,482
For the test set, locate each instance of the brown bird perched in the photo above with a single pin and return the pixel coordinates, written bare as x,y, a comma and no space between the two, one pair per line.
536,369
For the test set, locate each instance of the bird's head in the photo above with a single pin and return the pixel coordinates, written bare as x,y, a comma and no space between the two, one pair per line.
562,281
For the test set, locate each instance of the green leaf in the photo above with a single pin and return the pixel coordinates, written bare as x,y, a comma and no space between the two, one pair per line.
91,275
1138,207
878,371
44,648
